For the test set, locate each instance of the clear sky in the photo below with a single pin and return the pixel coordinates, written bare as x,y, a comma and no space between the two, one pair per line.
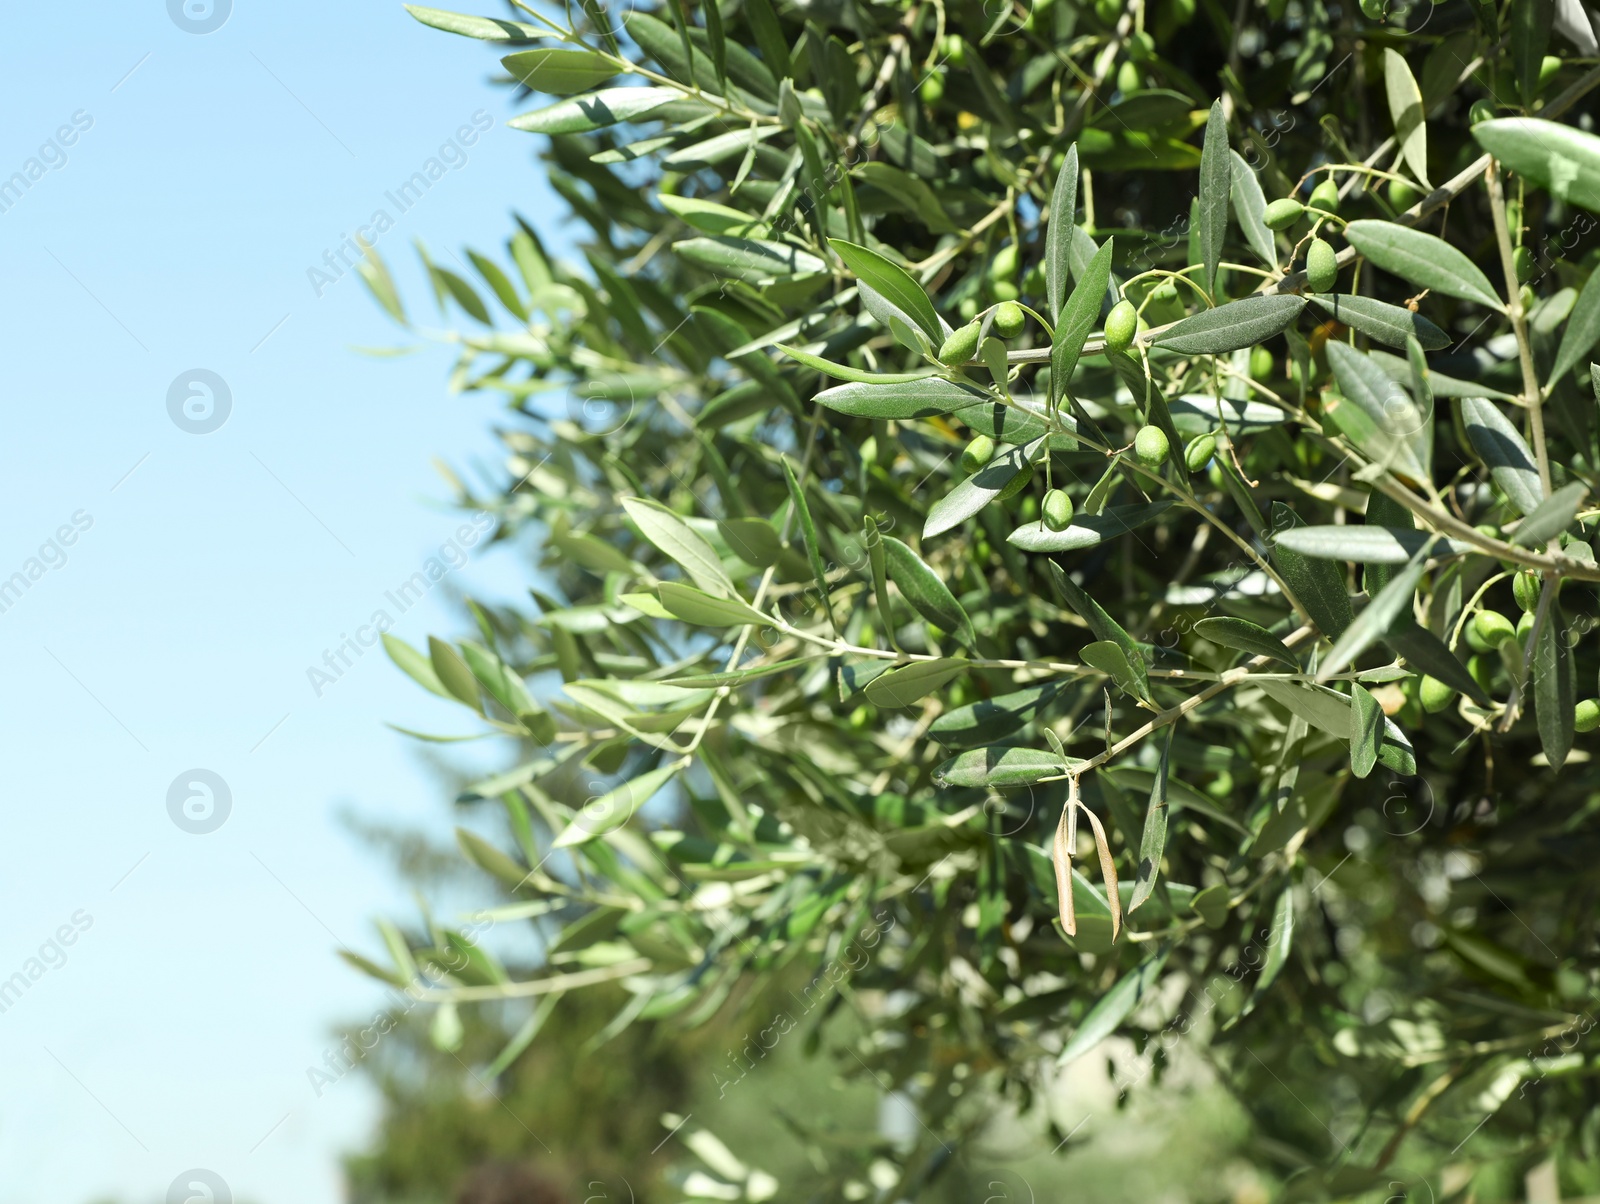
185,183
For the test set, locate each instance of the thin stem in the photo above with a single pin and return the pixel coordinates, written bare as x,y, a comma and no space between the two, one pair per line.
1519,323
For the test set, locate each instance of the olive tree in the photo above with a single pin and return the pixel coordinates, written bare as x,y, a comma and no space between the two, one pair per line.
1058,523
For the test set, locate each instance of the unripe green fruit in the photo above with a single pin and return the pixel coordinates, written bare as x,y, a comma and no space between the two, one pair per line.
931,89
1586,715
1057,509
955,50
1489,629
1164,293
1482,672
1548,66
1325,196
961,346
1004,264
1260,363
1129,77
1282,213
1121,325
1522,260
1108,10
1182,10
1151,446
1009,319
1525,588
976,454
1435,695
1141,46
968,309
1525,626
1016,484
1482,110
1033,281
1198,454
1401,195
1374,10
1004,290
1322,266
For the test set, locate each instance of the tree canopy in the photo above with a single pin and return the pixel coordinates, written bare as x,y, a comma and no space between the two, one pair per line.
1059,522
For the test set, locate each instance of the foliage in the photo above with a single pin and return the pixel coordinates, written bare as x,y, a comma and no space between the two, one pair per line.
1228,747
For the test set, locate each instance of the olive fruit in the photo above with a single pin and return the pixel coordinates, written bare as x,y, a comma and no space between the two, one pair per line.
961,346
1151,446
1325,196
1435,695
1586,715
977,453
1198,454
1121,324
1401,195
1057,509
1282,213
1482,110
955,50
1488,630
1322,266
931,89
1009,319
1525,587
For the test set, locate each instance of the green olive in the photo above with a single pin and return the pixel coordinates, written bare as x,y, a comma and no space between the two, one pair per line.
1009,319
1322,266
1435,695
1522,260
1260,363
1401,195
961,346
1150,446
1057,509
1325,196
1586,715
931,89
977,453
1488,630
1482,110
1004,264
1525,587
1129,77
1121,325
1282,213
954,50
1016,484
1198,454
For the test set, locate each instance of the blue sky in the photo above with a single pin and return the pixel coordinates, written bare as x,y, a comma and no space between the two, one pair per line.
207,173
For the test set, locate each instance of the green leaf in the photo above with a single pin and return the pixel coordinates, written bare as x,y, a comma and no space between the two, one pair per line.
465,296
580,114
880,575
1558,158
1583,329
453,672
990,719
1237,324
490,859
757,261
1317,583
559,71
711,217
1108,657
893,282
614,808
672,534
808,529
374,274
1400,424
1249,206
914,196
1367,544
1422,259
920,398
1392,605
1439,385
1078,317
1391,324
1279,939
1216,177
925,590
1114,1006
1153,840
1551,517
752,540
903,686
415,666
1510,460
1105,628
769,37
1530,37
1384,511
1425,652
1086,530
488,29
1406,109
1244,636
1058,233
707,610
1366,730
1553,685
1001,767
845,372
978,490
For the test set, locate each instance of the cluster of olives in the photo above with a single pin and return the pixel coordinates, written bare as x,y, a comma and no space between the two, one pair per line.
1322,263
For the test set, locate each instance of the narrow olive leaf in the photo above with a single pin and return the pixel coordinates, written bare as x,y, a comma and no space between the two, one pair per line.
845,372
1384,511
1398,421
580,114
992,719
560,72
1000,767
978,490
1422,395
1366,544
735,677
1405,108
921,398
1103,626
1422,259
1153,841
673,535
1316,583
374,274
1366,730
1439,385
808,530
614,808
903,686
1216,180
753,540
1108,871
706,610
1078,317
1244,636
1058,233
1114,1006
1559,158
1553,684
928,594
1249,208
1499,446
893,282
1279,940
880,576
1061,857
1552,516
454,674
1391,324
415,666
1086,530
1237,324
1530,38
1108,657
1392,604
490,29
1583,329
758,261
1426,653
